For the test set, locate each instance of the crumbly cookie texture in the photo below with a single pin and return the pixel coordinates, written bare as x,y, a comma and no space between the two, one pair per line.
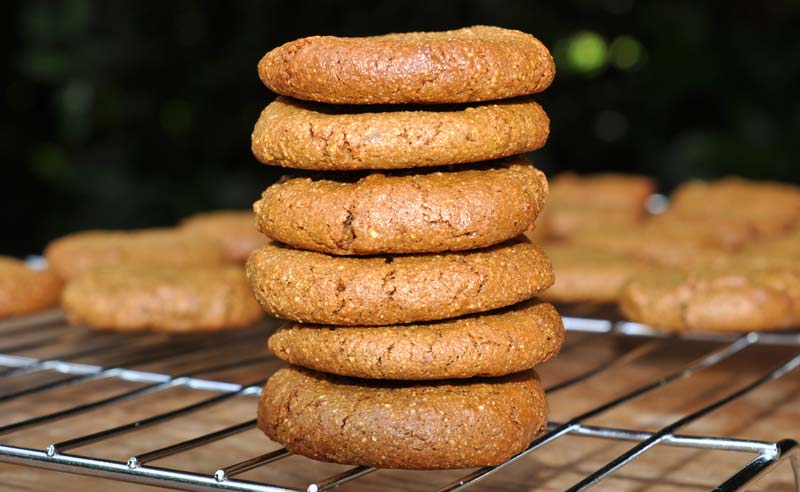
436,425
295,134
490,344
81,251
479,63
314,287
459,209
170,299
24,290
234,229
732,294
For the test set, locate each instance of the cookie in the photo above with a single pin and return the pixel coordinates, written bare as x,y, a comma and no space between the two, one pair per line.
24,290
81,251
161,298
312,287
565,222
659,246
234,229
294,134
737,294
480,63
490,344
465,208
767,208
436,425
784,246
588,274
594,202
728,235
604,190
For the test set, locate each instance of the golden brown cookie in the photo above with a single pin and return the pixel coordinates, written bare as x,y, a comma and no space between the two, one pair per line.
659,246
480,63
784,246
737,294
312,287
170,299
24,290
81,251
234,229
594,202
767,208
588,274
490,344
428,212
728,235
565,222
437,425
604,190
301,135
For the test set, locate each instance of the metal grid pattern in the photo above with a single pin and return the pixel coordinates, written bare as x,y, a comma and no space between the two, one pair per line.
48,330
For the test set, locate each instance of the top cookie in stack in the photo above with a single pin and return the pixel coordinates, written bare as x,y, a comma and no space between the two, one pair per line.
449,297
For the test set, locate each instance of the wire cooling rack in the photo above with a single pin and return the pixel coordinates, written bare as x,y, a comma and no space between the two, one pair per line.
61,369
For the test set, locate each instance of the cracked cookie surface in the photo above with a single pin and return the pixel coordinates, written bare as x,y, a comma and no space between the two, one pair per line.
295,134
435,425
479,63
490,344
313,287
427,212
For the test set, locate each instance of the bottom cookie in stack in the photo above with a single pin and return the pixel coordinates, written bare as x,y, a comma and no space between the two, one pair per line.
436,425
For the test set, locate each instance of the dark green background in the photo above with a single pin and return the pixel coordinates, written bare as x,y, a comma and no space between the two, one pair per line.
130,114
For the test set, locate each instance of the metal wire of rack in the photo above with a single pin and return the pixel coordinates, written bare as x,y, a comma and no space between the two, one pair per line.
48,331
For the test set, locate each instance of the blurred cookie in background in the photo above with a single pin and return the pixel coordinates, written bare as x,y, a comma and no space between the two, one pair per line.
585,273
650,243
738,294
161,298
24,290
766,208
82,251
593,201
234,229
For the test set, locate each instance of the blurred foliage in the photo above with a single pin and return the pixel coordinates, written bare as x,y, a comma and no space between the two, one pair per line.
131,114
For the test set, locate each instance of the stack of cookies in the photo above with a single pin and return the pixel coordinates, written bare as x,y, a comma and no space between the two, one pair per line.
402,270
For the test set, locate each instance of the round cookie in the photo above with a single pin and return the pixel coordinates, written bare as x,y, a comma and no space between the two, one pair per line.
24,290
767,208
234,229
737,294
490,344
293,134
437,425
653,244
129,298
430,212
592,202
588,274
312,287
479,63
81,251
